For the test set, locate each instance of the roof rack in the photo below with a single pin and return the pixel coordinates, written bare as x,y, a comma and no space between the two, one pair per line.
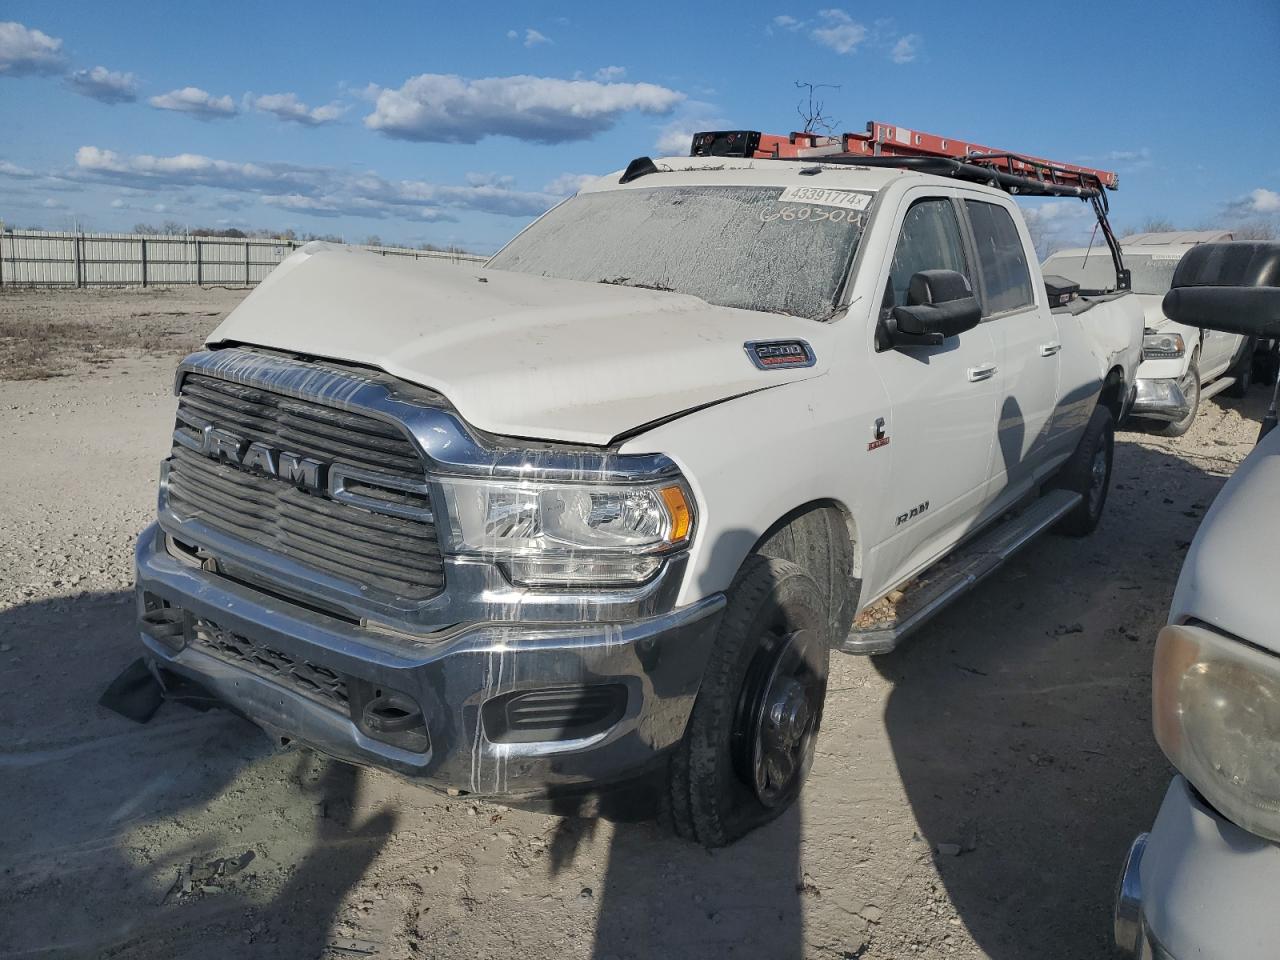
886,144
889,145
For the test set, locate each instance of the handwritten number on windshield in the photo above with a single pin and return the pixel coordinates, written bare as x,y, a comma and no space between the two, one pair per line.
792,214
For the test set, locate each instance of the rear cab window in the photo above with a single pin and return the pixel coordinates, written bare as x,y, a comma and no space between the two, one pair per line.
1002,259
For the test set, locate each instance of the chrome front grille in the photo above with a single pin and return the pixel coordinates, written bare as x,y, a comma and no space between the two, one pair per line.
374,529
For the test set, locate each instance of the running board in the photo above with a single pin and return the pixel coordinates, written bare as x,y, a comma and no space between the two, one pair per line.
1215,388
961,571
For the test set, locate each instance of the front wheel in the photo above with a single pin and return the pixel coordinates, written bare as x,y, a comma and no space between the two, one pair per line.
750,741
1088,473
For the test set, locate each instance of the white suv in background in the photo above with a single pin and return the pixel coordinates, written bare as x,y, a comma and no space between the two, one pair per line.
1181,365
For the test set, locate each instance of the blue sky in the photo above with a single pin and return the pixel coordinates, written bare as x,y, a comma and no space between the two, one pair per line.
456,123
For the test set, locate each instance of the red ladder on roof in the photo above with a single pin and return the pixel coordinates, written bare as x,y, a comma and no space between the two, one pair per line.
891,140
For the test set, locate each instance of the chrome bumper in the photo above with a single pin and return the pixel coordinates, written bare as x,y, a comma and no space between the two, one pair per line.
1131,932
1198,886
449,676
1160,400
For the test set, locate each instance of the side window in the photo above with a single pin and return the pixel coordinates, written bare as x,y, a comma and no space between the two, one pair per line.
1001,258
930,240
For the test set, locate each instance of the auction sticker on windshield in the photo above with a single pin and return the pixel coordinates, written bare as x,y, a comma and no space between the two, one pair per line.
849,199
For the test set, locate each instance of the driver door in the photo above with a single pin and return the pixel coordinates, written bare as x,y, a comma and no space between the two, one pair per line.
944,403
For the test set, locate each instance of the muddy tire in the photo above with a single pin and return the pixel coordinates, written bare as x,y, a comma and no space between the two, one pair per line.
1191,389
1088,473
750,740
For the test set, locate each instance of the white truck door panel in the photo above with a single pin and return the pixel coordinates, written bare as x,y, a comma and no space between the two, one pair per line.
944,401
1026,339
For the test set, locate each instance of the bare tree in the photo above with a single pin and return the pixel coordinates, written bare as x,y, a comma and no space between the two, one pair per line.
1256,230
810,109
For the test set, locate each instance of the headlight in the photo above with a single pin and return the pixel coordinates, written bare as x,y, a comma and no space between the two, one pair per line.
547,533
1163,346
1216,712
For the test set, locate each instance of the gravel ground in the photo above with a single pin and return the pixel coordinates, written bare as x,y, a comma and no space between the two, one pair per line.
1013,733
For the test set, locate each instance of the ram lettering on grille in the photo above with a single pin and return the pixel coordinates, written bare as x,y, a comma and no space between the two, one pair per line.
334,490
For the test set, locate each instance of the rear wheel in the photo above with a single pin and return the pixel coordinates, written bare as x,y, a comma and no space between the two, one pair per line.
750,740
1190,384
1088,473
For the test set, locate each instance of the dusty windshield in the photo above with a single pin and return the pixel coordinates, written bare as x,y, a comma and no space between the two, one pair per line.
759,248
1152,273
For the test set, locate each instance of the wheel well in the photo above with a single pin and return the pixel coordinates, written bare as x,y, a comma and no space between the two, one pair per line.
822,537
1112,396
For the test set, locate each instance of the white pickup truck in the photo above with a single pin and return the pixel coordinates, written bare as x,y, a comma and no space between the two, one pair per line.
1181,365
595,513
1202,883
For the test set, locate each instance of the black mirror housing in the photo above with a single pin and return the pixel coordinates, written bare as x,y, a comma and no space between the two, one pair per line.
1233,286
940,304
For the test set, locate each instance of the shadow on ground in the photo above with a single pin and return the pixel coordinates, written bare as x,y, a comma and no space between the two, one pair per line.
109,848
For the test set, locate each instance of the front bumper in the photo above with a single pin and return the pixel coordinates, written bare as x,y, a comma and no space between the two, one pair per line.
1160,400
652,668
1199,887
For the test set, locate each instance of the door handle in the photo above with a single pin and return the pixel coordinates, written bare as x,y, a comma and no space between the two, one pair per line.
1049,349
982,372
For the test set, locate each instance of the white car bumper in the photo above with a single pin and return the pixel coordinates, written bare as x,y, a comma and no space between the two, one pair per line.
1198,887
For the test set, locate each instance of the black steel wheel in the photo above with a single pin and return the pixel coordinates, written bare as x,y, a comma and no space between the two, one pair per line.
1088,473
777,722
750,740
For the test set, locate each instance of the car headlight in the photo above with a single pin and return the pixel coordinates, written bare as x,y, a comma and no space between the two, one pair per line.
550,533
1163,346
1216,712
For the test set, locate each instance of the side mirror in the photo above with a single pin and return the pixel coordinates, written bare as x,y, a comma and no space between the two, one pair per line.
940,304
1232,286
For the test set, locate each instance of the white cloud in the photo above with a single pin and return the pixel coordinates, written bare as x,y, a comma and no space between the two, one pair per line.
318,190
787,22
1265,201
8,169
1259,202
287,106
533,38
675,138
610,74
567,184
105,85
839,31
444,108
906,49
199,103
27,52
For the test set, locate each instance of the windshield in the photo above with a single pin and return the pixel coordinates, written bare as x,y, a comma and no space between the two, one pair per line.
1152,273
759,248
1093,271
1149,272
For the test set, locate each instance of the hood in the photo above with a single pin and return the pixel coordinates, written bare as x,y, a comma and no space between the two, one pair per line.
1229,576
517,355
1153,311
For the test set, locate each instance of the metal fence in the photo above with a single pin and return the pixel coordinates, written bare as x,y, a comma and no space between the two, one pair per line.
48,259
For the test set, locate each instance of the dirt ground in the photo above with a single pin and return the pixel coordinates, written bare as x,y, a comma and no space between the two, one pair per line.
1015,727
